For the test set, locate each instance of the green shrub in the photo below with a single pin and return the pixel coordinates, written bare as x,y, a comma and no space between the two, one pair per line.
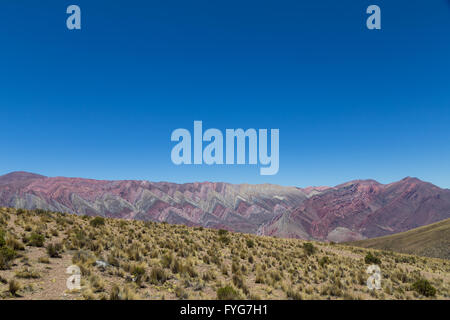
6,255
2,238
324,261
371,259
223,232
224,239
36,240
309,248
97,222
227,293
424,287
250,243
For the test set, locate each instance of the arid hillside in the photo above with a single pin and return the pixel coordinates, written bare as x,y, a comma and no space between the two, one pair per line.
431,241
128,259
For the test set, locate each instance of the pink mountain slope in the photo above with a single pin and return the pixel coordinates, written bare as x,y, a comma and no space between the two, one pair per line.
351,211
365,209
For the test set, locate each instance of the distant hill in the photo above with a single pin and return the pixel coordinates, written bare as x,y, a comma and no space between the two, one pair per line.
431,241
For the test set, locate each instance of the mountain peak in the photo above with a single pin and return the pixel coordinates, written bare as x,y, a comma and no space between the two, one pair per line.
411,179
17,176
367,182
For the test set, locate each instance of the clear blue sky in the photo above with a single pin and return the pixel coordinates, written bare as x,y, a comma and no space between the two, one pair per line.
350,103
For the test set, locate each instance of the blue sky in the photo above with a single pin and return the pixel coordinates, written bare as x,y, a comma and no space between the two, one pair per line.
350,103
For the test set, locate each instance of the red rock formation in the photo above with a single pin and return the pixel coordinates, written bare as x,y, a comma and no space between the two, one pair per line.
349,211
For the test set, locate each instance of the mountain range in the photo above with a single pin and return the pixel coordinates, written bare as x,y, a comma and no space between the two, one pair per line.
354,210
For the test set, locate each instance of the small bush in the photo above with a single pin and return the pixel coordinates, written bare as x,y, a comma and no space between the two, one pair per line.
43,260
14,287
2,238
324,261
126,293
6,256
181,293
260,276
332,290
115,293
27,273
36,240
275,275
309,248
238,281
14,244
158,276
167,260
54,250
227,293
97,284
250,243
294,294
424,287
97,222
190,270
209,275
81,257
371,259
405,259
224,239
400,276
138,272
177,266
223,232
112,260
